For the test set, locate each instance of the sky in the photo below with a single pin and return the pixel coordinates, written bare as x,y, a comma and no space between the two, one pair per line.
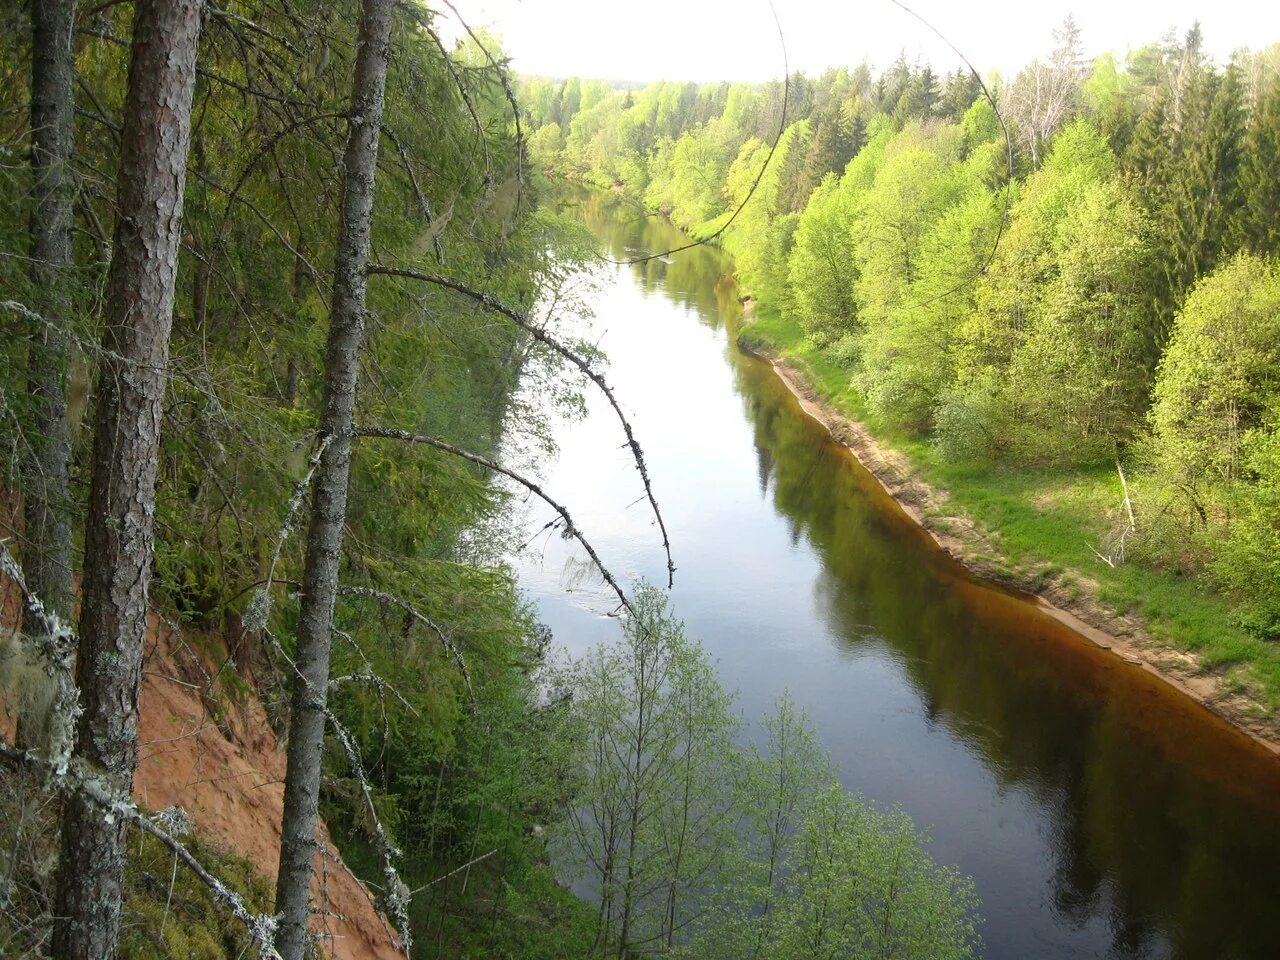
706,40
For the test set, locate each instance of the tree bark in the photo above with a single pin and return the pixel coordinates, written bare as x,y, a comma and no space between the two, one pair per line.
46,495
329,499
119,539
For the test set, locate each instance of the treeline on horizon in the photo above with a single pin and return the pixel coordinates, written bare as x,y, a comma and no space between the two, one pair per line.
1130,314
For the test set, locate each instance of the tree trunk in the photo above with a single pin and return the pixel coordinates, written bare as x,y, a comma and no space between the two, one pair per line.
46,496
119,539
329,499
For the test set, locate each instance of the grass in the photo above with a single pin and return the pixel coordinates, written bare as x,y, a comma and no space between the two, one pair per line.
171,915
1044,523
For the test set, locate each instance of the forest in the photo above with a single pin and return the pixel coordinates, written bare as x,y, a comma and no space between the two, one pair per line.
271,275
1057,291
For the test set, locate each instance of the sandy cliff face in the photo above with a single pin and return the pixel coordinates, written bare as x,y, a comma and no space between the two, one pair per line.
213,752
227,772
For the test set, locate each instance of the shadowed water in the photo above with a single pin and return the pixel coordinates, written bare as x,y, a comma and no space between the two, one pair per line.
1100,814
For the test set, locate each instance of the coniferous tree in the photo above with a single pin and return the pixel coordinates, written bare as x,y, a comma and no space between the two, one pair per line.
333,471
1217,163
1260,184
119,537
46,487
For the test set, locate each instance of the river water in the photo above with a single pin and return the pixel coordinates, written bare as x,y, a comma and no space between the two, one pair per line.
1099,813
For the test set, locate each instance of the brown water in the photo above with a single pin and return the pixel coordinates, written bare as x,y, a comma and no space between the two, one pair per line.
1100,813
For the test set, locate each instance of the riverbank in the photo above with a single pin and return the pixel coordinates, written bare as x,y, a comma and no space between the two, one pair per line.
1031,532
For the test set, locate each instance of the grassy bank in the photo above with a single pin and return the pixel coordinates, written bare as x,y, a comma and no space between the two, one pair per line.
1044,525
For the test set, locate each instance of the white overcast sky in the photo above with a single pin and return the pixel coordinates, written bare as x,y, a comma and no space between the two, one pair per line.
706,40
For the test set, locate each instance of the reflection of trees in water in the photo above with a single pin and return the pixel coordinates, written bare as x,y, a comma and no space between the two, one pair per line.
1136,827
700,279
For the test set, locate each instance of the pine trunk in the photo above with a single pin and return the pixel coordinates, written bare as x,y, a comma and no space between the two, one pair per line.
119,537
46,497
329,499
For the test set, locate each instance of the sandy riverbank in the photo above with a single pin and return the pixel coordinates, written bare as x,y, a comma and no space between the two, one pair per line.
1076,607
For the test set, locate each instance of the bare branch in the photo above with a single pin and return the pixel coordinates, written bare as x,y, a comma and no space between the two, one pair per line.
456,870
55,646
255,617
782,127
505,79
570,528
396,893
445,639
522,320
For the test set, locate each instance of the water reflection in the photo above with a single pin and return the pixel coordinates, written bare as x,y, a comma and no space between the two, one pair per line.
1101,814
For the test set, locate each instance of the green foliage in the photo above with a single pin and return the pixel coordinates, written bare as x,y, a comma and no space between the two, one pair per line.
1218,378
1027,312
1140,177
247,358
1045,521
853,882
1215,399
1078,381
647,735
908,356
1247,560
692,843
1261,187
822,273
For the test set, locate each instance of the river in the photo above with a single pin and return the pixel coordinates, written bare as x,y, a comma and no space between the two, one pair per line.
1099,813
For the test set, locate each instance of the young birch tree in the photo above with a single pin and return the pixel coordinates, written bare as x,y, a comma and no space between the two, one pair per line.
119,537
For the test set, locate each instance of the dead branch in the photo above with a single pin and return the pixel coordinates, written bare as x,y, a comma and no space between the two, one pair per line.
505,79
522,320
1118,543
255,617
445,639
456,870
396,894
534,488
55,647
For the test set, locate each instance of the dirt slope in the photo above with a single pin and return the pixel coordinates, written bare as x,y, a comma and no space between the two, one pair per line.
218,758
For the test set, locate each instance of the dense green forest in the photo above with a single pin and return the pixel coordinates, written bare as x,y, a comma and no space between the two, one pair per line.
1099,388
270,275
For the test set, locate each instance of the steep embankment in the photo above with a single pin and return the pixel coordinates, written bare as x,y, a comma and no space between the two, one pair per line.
218,757
1073,598
207,745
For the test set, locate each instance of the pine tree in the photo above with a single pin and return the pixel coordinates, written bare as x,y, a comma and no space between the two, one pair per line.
832,146
961,89
1204,194
46,493
119,536
1219,161
1260,176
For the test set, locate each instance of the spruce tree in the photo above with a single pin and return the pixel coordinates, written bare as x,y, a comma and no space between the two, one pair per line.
1218,162
1260,176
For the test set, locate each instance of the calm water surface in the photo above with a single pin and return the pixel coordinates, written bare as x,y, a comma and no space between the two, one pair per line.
1099,814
